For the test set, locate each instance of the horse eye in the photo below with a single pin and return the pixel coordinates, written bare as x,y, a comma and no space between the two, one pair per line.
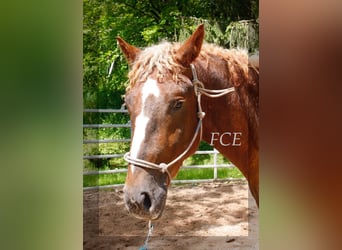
178,104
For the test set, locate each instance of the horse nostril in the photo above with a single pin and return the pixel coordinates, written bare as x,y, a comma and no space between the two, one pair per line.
147,201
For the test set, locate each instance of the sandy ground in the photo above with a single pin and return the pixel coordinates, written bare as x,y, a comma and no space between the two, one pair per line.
218,215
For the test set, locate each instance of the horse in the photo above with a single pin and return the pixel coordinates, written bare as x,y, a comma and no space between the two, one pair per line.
178,95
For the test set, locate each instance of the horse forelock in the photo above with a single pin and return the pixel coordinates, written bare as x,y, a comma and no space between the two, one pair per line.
158,60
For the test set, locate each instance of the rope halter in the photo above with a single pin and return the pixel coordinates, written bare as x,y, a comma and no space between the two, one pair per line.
199,90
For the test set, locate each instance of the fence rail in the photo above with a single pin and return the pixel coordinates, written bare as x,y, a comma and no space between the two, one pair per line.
105,110
214,152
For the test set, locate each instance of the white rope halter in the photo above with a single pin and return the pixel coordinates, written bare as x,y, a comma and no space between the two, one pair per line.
199,90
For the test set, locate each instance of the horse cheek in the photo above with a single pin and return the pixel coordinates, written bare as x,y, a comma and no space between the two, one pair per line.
173,139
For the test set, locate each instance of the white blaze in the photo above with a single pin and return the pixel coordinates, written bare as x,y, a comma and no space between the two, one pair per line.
150,88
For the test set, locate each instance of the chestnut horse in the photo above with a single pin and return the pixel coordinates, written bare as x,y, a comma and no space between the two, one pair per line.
169,118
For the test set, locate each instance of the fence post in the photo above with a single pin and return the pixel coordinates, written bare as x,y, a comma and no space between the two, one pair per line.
215,164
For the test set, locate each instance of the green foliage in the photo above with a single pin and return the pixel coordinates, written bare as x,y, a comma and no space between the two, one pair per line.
143,23
243,34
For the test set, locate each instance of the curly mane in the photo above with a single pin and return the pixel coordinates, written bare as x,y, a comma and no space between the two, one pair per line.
159,59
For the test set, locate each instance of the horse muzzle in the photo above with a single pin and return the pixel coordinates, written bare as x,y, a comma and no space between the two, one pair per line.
145,204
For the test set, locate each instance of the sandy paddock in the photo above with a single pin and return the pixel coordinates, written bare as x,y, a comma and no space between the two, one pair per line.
217,215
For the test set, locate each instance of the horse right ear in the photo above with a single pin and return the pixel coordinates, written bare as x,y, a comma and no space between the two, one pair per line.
191,47
128,50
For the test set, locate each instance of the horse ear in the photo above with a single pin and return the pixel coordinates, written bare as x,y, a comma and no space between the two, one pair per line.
128,50
191,47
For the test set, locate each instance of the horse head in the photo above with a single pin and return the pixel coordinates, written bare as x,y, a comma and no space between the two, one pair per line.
165,128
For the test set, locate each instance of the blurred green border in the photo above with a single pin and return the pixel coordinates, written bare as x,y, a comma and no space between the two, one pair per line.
41,111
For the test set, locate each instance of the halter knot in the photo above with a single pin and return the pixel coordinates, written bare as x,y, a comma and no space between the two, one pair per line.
163,167
197,86
201,115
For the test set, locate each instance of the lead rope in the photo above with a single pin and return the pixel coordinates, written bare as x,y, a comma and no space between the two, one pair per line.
150,229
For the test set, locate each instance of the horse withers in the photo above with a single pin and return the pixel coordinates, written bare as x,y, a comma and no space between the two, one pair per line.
180,94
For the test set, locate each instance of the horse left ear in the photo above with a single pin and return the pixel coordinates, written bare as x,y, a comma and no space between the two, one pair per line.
191,47
129,51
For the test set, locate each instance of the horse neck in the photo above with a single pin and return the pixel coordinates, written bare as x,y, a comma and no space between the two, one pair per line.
228,114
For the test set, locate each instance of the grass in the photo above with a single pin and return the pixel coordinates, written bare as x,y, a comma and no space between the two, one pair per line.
103,179
183,174
207,173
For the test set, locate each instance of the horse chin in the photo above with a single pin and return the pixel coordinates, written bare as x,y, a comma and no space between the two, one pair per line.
148,216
